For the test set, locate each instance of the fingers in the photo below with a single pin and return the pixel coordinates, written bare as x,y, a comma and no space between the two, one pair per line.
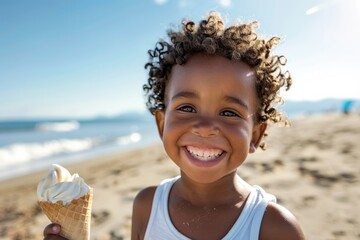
51,231
54,237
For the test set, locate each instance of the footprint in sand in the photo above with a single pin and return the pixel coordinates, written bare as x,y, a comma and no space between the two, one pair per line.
339,233
348,177
308,200
116,235
99,217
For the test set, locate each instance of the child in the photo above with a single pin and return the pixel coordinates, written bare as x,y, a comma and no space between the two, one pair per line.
212,90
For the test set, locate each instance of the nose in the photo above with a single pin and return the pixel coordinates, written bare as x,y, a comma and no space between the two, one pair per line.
205,128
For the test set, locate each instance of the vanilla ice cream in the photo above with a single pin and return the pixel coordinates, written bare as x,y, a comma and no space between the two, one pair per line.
60,185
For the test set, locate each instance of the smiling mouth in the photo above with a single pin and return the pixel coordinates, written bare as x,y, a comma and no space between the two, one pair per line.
204,154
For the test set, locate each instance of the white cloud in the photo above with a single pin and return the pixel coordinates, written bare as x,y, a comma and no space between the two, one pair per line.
320,7
225,3
313,10
160,2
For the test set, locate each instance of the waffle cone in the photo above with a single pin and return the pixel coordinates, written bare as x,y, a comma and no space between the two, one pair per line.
74,218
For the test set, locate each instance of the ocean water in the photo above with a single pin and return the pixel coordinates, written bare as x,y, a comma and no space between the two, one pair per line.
27,146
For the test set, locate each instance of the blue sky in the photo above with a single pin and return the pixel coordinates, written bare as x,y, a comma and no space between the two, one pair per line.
85,58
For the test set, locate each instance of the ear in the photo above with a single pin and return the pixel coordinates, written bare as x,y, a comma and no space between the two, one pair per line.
159,117
257,135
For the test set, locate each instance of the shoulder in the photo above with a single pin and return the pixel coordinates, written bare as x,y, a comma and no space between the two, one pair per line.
280,224
141,212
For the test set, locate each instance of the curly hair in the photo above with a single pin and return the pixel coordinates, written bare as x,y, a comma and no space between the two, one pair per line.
238,42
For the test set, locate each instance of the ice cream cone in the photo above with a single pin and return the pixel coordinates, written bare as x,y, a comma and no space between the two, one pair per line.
74,217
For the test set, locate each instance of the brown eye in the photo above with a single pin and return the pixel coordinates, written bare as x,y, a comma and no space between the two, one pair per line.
186,109
228,113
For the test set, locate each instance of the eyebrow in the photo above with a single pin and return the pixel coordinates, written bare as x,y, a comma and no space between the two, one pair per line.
185,94
238,101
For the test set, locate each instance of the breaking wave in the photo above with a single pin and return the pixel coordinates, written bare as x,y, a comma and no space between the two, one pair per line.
58,126
23,152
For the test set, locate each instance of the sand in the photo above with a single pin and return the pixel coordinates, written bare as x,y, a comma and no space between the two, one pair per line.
312,167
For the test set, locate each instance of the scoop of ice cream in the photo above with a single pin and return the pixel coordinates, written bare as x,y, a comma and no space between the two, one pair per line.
60,185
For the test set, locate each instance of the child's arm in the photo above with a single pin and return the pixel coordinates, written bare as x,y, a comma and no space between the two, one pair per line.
141,212
51,231
280,224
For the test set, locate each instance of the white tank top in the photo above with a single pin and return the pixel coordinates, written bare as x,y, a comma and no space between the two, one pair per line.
246,227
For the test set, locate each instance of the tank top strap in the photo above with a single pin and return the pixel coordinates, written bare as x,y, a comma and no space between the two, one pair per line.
248,224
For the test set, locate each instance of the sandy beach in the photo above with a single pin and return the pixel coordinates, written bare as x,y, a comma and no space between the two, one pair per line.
312,167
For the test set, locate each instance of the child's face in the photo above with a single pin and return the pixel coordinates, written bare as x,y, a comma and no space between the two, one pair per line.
208,126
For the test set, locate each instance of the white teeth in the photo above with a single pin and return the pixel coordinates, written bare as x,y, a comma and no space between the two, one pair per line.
204,154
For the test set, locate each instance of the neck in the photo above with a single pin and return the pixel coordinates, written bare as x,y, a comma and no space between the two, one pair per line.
230,188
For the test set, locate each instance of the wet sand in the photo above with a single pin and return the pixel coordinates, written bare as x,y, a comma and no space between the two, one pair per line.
312,167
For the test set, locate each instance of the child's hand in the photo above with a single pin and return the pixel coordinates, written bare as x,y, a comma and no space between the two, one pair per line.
51,231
